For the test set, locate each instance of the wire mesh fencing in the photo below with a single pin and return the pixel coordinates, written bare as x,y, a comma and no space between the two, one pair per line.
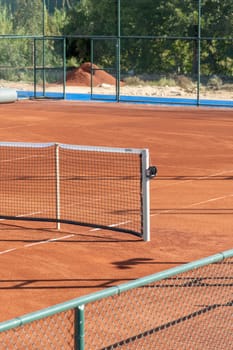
165,51
188,307
55,332
188,311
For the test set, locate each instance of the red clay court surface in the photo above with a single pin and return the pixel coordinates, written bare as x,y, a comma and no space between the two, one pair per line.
191,199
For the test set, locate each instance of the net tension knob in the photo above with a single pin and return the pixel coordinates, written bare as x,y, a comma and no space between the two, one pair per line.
151,172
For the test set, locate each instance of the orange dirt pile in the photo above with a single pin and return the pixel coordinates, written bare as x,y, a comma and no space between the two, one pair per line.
82,76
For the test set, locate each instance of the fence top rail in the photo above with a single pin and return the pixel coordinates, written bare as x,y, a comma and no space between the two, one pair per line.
117,290
112,37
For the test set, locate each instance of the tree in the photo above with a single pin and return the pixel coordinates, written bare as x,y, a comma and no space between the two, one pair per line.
28,17
162,35
217,27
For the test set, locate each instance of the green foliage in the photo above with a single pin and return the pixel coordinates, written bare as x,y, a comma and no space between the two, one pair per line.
56,22
164,34
133,81
214,83
5,20
28,17
176,18
25,17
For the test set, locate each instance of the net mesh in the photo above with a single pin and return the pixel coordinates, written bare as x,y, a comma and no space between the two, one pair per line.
27,181
101,187
91,187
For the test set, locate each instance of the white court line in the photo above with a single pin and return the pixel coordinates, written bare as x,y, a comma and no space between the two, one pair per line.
20,158
113,225
120,223
212,200
194,204
30,214
57,239
18,216
36,243
8,250
176,183
24,215
48,241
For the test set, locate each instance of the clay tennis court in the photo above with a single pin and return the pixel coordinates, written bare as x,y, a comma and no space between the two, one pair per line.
191,199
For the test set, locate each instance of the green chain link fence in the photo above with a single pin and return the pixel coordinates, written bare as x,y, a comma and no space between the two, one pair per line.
187,307
166,50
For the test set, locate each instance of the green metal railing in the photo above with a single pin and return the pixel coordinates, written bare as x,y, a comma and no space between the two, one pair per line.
189,306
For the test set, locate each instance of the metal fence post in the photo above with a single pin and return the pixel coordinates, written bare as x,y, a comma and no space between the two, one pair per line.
79,328
34,66
64,67
199,53
43,46
118,51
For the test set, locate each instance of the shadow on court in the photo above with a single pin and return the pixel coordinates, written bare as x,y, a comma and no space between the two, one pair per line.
130,263
33,284
43,234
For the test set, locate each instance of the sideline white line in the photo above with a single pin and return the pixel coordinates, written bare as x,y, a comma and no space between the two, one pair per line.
113,225
212,200
48,241
193,204
56,239
19,158
176,183
25,215
30,214
8,251
36,243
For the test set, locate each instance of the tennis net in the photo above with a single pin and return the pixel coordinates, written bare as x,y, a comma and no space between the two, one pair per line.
98,187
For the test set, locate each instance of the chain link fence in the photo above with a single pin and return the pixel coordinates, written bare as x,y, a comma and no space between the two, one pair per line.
187,307
164,51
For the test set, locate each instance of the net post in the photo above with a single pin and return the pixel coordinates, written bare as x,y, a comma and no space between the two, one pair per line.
57,170
145,196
